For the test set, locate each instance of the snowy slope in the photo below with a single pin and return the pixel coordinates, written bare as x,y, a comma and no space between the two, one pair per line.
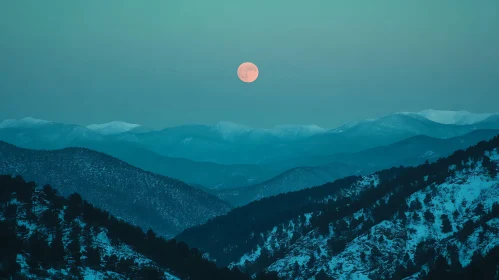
389,225
24,122
390,240
114,127
454,117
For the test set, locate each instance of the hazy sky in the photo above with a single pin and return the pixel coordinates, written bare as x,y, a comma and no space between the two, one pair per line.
165,63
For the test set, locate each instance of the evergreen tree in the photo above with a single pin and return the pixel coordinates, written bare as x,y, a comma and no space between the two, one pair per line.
39,249
429,217
439,270
93,257
50,219
446,225
74,246
311,261
150,272
480,210
57,249
10,245
322,276
415,217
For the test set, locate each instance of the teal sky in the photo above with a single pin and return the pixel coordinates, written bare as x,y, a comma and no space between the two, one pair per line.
166,63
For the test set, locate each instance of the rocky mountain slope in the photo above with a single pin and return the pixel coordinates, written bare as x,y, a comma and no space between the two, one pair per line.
408,152
46,236
137,196
399,223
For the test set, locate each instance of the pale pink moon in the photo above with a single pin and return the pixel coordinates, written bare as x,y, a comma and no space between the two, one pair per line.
247,72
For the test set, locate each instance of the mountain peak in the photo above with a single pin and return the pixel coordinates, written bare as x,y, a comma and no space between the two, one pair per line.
28,121
230,129
114,127
297,130
451,117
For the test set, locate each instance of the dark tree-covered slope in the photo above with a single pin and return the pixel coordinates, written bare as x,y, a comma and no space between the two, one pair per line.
141,198
46,236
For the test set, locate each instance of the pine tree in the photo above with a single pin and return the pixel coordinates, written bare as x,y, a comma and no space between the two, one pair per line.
311,261
93,255
429,217
50,218
74,246
39,249
439,270
415,217
322,276
10,245
57,249
446,225
480,210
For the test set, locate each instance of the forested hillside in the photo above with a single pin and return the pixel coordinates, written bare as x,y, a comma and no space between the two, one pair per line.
46,236
389,225
142,198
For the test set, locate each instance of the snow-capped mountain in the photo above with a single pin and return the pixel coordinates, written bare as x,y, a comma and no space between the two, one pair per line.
116,127
24,122
137,196
454,117
46,236
293,131
229,143
231,130
417,122
399,223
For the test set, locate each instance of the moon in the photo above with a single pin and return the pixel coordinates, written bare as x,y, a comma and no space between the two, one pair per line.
247,72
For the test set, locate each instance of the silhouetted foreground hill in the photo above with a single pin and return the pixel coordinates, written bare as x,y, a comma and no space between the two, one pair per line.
46,236
438,218
137,196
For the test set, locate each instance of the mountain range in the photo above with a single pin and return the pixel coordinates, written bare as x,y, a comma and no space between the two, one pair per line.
434,219
408,152
142,198
358,214
228,155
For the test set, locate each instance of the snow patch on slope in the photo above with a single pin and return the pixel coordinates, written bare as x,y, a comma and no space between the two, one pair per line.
24,122
453,117
114,127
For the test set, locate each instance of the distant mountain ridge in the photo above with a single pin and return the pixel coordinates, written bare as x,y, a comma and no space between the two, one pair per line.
408,152
117,127
228,143
455,117
137,196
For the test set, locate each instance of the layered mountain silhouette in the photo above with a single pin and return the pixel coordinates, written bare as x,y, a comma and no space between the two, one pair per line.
142,198
412,151
229,143
433,221
228,155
